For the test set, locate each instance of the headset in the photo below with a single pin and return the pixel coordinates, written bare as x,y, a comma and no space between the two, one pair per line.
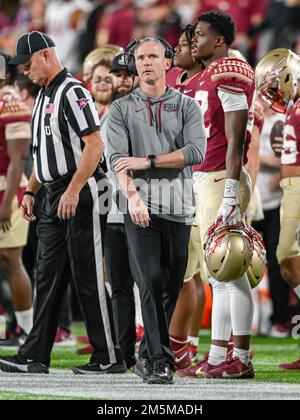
132,46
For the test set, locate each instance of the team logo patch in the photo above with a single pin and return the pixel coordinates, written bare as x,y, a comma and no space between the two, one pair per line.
170,107
82,103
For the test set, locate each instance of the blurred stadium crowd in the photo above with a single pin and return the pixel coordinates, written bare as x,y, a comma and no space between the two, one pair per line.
79,26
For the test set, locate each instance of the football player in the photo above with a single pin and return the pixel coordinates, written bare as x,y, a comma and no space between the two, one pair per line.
222,186
278,82
184,327
15,135
185,73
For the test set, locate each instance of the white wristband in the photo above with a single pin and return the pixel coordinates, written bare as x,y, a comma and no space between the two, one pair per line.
231,188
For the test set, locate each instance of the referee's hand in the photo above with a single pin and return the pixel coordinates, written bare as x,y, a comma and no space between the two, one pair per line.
67,205
26,208
138,211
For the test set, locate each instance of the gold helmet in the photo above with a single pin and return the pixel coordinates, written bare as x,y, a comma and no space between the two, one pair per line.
228,251
277,75
257,265
105,52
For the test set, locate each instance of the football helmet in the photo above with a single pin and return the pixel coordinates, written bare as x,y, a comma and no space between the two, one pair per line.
256,269
105,52
228,251
277,75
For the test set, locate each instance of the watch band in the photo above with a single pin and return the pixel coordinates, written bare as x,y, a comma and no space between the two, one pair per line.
152,160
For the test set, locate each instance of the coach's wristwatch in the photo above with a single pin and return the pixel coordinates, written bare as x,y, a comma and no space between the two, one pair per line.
152,160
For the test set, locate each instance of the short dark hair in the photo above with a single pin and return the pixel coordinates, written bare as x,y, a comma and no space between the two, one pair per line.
188,30
11,71
221,23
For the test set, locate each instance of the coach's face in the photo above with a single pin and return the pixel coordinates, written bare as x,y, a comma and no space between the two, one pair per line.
150,62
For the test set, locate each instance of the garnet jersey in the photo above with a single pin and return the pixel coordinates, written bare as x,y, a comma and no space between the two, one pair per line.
222,77
14,123
188,86
291,144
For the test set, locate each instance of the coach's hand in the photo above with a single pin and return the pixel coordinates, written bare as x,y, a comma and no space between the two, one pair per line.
132,163
26,208
67,205
138,211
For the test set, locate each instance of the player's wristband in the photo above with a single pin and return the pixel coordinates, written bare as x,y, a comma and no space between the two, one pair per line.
29,193
231,188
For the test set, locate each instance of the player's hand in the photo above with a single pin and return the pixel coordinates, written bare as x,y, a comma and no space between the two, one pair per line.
132,163
26,208
5,217
230,211
67,205
138,211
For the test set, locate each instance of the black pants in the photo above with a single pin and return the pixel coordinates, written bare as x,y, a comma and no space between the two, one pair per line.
78,239
29,258
159,258
279,289
121,280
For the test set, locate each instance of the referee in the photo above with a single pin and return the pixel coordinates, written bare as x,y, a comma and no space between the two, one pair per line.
67,148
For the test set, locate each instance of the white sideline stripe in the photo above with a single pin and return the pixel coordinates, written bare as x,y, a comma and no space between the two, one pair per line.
23,368
130,387
99,270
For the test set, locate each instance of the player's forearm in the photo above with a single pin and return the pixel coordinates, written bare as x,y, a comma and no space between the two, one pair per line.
235,130
234,159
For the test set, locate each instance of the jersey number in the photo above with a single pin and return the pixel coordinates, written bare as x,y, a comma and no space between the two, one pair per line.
289,152
202,96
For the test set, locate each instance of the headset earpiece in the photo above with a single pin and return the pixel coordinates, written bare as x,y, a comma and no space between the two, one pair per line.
169,53
129,57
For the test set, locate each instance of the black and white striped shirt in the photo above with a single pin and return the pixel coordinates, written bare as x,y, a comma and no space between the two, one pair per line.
64,112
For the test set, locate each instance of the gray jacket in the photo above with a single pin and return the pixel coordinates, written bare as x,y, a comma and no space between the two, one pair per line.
139,126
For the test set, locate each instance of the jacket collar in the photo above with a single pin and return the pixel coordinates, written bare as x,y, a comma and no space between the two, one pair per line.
55,82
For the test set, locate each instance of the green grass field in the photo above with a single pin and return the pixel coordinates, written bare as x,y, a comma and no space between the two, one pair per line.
268,353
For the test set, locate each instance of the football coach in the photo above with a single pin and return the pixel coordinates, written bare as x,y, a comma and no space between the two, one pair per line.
155,134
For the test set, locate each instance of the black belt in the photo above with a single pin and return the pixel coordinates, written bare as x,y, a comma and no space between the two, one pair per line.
58,183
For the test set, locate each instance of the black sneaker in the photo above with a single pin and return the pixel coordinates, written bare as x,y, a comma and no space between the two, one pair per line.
162,374
20,364
143,368
14,342
98,368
